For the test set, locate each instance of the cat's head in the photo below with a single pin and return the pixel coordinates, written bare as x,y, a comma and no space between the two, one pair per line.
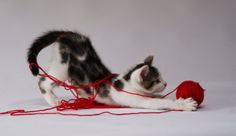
146,78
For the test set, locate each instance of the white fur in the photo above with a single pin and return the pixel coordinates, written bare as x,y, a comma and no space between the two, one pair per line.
83,57
58,71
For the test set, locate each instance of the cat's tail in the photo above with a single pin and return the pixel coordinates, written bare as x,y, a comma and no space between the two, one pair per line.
40,43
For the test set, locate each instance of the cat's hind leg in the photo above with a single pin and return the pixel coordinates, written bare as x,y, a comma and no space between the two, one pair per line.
57,69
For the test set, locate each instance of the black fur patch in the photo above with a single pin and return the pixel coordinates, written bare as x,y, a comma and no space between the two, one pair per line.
127,75
88,91
118,84
76,73
64,57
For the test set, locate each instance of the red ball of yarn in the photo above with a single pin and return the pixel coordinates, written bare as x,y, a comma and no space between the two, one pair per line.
189,89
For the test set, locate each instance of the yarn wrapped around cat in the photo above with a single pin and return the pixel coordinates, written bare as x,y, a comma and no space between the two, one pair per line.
185,90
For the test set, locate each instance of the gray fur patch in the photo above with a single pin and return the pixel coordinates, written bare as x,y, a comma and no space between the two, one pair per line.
64,53
39,84
104,93
53,84
42,90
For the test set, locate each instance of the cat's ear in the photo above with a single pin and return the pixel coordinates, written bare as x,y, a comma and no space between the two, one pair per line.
148,60
144,72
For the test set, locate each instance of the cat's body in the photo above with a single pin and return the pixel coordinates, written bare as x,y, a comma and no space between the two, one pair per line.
74,58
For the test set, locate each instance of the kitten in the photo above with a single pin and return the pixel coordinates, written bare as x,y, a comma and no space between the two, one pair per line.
74,58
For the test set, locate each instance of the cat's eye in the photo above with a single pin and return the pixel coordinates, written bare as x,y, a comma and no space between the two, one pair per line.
157,81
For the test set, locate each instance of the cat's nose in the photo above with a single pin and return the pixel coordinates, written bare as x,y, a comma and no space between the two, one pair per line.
165,84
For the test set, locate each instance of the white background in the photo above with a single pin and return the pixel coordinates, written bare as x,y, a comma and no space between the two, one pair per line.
190,39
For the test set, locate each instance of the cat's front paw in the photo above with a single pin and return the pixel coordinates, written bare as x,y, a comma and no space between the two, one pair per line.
186,104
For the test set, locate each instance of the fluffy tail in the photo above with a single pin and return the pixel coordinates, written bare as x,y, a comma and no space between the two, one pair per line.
40,43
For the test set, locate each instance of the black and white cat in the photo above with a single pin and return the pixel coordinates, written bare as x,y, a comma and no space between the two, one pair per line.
74,58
